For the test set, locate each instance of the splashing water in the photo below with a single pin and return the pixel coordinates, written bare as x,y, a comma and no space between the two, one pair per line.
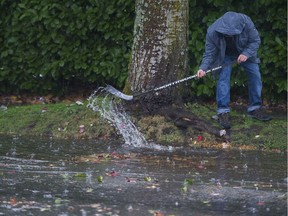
102,102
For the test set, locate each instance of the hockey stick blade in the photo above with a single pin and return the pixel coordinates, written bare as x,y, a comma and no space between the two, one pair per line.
117,93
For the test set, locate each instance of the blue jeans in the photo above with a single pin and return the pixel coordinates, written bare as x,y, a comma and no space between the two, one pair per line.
223,86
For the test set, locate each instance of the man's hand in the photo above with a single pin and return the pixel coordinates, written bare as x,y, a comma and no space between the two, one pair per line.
201,73
241,58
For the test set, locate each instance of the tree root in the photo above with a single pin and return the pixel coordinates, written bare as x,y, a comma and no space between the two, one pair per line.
183,118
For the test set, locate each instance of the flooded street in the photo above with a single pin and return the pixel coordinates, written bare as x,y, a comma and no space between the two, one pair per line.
48,177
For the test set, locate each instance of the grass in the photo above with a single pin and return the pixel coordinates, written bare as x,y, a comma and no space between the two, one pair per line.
63,120
58,120
247,131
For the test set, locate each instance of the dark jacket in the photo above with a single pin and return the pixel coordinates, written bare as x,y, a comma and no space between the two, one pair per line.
246,36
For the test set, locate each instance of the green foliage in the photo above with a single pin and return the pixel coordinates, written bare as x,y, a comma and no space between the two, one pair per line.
272,52
48,45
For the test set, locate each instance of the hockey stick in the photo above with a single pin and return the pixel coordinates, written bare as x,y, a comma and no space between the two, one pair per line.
119,94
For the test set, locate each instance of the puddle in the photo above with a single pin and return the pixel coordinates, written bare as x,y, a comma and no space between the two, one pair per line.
48,177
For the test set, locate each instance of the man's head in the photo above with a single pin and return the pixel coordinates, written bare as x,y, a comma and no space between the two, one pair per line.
231,23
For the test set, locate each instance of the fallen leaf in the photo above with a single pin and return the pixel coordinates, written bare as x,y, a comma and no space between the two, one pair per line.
80,175
13,201
89,190
201,167
225,145
112,173
157,213
81,128
79,103
132,180
147,178
199,138
100,179
58,201
44,109
222,132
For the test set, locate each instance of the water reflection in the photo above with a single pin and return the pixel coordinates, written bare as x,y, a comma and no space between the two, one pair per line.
48,177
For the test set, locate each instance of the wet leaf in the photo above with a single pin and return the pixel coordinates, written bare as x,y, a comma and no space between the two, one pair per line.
199,138
80,175
188,182
222,132
147,178
65,175
79,103
152,186
44,209
89,190
44,109
13,201
81,128
58,201
225,145
201,166
156,213
112,173
100,179
132,180
260,203
184,189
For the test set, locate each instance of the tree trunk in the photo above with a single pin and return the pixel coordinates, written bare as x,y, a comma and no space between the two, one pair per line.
160,47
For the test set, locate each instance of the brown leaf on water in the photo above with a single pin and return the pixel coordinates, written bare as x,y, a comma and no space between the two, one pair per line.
13,201
98,158
119,156
132,180
157,213
112,173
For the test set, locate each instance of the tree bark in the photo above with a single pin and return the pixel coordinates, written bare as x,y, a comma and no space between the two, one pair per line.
160,47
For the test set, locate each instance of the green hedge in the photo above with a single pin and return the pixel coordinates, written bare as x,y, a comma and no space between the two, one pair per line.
53,46
47,45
